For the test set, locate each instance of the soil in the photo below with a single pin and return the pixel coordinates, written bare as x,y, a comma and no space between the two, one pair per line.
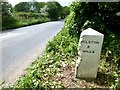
67,77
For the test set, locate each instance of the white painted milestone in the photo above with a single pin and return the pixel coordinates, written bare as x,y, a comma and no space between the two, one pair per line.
89,50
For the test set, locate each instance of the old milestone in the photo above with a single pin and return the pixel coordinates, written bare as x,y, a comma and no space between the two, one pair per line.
89,50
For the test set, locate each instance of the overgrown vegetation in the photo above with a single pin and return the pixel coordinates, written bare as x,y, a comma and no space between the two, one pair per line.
98,16
29,13
20,19
62,50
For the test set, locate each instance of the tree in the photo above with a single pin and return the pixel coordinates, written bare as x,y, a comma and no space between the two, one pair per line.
7,18
54,10
32,6
44,10
6,8
65,11
23,7
36,6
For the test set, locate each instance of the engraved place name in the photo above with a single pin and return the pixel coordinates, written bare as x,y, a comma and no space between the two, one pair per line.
88,51
89,46
90,42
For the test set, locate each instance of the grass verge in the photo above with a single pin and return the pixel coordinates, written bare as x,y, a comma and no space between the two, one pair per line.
55,69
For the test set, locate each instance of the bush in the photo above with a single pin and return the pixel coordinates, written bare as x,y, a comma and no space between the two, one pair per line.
99,15
53,9
8,22
22,19
63,44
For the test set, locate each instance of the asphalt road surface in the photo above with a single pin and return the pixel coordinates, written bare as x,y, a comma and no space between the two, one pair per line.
21,46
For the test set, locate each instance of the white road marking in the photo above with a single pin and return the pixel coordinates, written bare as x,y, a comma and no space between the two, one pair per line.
9,35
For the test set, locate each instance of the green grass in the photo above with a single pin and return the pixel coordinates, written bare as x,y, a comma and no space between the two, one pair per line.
20,19
61,52
42,72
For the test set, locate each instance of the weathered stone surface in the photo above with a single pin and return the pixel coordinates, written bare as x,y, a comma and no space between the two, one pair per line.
89,50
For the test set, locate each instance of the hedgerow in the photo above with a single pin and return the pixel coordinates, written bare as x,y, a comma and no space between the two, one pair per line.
63,47
20,19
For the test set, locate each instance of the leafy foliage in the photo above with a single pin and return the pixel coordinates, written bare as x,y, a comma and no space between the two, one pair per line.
32,6
25,18
22,19
64,46
8,21
12,19
37,6
54,9
22,7
43,71
37,12
65,11
6,8
7,17
101,17
97,15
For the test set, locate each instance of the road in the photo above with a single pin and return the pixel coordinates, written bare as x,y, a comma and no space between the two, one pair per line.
22,46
